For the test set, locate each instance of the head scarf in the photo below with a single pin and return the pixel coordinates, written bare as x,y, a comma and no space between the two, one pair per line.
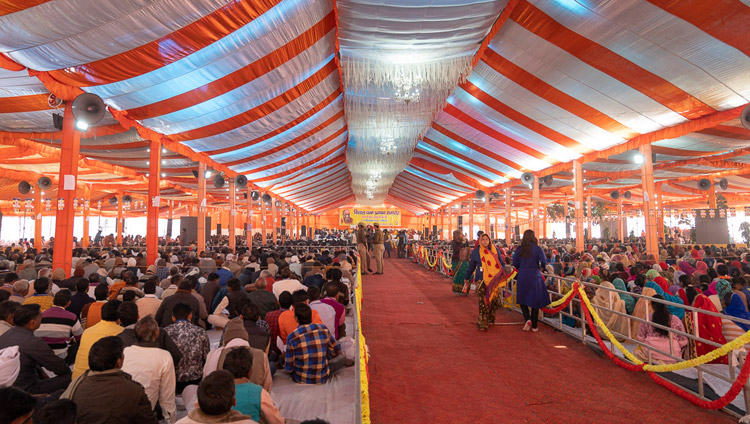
58,274
609,301
628,299
663,283
709,328
457,236
695,254
657,267
596,279
675,310
722,288
586,273
640,309
651,274
736,308
701,267
676,277
686,268
663,266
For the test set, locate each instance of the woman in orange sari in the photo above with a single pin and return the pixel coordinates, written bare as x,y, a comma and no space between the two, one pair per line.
490,278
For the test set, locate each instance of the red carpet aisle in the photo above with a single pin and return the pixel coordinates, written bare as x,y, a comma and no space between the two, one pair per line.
429,364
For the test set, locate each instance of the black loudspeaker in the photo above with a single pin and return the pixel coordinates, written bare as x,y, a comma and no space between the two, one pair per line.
627,195
745,117
44,183
614,195
723,184
113,200
267,198
189,229
255,195
24,187
195,173
241,181
704,184
219,181
548,180
89,108
127,198
479,194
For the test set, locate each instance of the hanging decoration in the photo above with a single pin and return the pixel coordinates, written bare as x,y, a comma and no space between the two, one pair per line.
48,204
16,205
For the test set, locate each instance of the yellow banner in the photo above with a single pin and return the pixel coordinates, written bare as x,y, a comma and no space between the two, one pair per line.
384,217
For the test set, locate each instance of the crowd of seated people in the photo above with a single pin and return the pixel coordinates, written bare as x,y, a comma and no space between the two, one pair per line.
123,332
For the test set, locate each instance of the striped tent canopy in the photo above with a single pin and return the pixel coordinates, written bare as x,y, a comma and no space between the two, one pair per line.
415,104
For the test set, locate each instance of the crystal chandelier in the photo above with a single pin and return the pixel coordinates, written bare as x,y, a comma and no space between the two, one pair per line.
407,89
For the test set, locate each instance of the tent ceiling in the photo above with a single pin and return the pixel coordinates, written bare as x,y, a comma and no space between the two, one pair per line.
416,104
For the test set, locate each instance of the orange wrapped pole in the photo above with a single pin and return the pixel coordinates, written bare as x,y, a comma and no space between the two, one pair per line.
66,192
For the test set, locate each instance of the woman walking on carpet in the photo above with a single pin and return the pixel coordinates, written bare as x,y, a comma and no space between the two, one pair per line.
531,292
490,279
459,262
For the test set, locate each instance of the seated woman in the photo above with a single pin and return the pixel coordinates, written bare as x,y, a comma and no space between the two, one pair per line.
662,288
607,303
658,338
735,299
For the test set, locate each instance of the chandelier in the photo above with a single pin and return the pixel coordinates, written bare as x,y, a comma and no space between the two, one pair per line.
407,88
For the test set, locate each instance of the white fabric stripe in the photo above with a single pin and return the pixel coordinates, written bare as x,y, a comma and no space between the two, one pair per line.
36,121
279,139
325,198
335,186
19,83
315,186
268,123
458,126
567,73
488,116
64,33
295,176
449,165
287,166
418,188
470,153
281,156
326,177
317,176
331,145
246,45
540,110
665,45
411,208
457,184
429,185
412,197
235,104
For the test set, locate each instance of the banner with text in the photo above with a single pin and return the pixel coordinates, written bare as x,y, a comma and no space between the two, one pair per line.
384,217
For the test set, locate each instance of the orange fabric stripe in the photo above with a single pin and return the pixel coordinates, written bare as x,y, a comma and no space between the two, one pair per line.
607,61
524,120
183,42
289,143
133,145
461,156
551,94
31,103
682,152
414,165
725,20
11,6
727,131
414,195
410,185
259,111
456,112
306,189
239,77
416,179
298,155
296,168
324,195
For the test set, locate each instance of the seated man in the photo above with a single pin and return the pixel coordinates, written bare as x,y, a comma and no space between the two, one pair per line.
287,323
193,343
106,327
105,385
60,326
235,336
233,303
7,309
252,399
264,300
312,355
41,294
35,353
128,314
80,298
216,397
152,367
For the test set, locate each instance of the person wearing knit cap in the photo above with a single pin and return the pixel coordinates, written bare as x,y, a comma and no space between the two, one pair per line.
234,336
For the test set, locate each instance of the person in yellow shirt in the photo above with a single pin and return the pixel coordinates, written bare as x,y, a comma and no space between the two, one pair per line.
41,294
108,326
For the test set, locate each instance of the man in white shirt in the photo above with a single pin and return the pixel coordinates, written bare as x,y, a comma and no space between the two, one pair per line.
153,368
149,304
291,285
326,312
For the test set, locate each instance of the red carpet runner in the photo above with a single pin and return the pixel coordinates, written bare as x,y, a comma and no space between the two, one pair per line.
429,364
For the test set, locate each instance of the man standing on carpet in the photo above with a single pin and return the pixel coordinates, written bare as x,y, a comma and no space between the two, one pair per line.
364,255
378,247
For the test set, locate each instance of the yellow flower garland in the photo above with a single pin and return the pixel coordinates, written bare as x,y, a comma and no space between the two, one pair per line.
427,259
364,382
447,265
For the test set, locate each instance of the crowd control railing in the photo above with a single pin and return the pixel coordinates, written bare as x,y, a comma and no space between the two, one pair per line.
576,307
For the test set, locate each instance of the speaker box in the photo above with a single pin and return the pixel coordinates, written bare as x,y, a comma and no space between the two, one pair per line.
434,229
169,227
460,223
218,229
283,225
189,228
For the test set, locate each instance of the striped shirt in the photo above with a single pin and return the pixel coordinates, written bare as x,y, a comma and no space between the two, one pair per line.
58,327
